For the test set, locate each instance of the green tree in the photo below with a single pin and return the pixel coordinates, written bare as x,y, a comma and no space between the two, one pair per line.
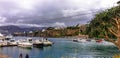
106,25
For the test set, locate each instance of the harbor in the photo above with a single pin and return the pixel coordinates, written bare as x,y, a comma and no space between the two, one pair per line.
59,28
63,48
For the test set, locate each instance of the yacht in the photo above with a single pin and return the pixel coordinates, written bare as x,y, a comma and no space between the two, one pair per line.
46,42
37,43
24,44
13,42
8,37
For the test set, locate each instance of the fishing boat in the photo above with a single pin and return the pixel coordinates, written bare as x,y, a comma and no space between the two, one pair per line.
24,44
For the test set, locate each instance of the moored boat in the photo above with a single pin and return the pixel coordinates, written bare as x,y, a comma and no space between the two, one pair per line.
75,40
99,40
24,44
46,42
8,37
37,43
80,40
13,42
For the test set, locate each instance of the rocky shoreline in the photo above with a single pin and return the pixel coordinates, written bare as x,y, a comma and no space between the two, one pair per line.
4,56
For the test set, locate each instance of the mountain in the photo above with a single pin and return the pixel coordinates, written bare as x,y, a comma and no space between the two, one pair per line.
12,29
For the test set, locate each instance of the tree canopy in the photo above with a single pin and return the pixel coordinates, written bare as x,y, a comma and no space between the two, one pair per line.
101,22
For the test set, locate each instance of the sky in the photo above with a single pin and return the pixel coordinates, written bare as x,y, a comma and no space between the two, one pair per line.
50,13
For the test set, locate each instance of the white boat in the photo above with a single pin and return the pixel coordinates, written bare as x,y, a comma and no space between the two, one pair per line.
13,42
2,37
46,42
24,44
30,40
8,37
37,43
75,40
80,40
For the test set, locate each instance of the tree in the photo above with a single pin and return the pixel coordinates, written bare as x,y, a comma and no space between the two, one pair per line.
115,30
99,24
106,25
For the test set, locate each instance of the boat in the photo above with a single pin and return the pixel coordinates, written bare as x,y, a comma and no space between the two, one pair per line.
37,43
29,40
8,37
46,42
75,40
80,40
2,37
89,40
13,42
24,44
99,40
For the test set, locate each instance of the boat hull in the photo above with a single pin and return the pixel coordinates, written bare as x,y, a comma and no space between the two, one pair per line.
40,45
25,46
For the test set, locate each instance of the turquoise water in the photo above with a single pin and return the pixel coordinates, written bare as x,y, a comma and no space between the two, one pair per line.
63,48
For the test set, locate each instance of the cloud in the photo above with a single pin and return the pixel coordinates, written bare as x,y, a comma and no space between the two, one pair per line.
61,24
2,19
50,12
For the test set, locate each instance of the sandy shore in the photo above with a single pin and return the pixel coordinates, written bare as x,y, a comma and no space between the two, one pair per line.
4,56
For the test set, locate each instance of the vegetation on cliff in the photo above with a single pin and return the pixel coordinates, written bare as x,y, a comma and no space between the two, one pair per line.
106,25
53,32
101,22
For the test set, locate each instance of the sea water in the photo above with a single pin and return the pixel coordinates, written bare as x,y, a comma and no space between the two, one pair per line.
63,48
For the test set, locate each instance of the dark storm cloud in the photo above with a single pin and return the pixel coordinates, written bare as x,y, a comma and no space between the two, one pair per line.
50,12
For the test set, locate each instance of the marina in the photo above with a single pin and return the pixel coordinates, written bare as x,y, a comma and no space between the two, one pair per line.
59,29
63,48
25,43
